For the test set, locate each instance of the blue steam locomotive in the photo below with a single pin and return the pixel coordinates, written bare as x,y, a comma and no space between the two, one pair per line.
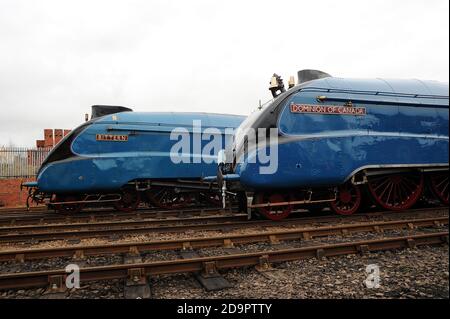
336,139
121,158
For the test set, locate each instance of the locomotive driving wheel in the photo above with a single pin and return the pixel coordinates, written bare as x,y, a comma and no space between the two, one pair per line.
397,191
72,208
348,200
167,198
439,185
129,202
275,213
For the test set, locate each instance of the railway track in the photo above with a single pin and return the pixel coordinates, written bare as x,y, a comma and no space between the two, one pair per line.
227,241
112,224
49,217
114,229
22,209
138,272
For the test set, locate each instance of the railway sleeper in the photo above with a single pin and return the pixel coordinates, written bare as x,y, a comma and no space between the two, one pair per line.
136,285
54,279
228,243
79,258
56,289
20,258
363,249
320,254
133,256
264,264
209,277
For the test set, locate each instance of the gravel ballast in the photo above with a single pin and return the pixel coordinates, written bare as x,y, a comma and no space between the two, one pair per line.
411,273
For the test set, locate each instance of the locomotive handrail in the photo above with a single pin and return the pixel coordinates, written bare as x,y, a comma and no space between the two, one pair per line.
382,102
137,128
377,93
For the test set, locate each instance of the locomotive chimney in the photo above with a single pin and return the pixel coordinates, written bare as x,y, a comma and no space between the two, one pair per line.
309,75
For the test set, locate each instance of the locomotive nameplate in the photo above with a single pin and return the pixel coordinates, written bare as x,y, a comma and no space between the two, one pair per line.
328,109
111,138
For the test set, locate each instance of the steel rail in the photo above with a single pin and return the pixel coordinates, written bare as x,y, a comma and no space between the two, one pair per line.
227,240
98,215
108,215
161,226
22,209
127,223
92,220
122,271
45,209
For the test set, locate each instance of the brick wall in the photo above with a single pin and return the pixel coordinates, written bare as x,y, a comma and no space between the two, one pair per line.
58,135
52,137
10,194
48,138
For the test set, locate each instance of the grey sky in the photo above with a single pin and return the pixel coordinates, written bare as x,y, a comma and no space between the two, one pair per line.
59,57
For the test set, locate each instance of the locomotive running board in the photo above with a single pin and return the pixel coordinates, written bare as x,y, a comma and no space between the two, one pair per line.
88,201
292,203
177,184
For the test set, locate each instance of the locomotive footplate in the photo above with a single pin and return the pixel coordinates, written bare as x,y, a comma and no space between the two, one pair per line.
301,198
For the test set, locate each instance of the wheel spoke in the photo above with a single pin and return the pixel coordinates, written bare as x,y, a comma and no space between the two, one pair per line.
442,182
348,200
385,190
408,187
401,191
439,185
389,193
381,184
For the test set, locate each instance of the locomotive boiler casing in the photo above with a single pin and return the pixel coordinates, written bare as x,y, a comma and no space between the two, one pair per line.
401,123
108,152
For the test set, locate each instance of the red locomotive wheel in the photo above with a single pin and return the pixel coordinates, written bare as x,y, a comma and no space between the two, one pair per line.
68,208
167,198
348,200
275,213
397,191
129,202
439,185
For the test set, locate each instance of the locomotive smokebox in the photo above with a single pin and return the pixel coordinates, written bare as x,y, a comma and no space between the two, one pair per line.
102,110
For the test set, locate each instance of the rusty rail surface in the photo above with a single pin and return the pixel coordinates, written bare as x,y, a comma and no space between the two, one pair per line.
7,210
123,271
227,240
120,230
111,224
114,229
49,217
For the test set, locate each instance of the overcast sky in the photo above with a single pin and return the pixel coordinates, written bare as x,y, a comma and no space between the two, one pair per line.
57,57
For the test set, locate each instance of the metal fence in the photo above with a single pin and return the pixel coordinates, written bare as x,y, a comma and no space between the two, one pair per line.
18,162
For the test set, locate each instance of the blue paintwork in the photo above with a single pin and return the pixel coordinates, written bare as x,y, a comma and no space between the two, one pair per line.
406,124
108,165
30,184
